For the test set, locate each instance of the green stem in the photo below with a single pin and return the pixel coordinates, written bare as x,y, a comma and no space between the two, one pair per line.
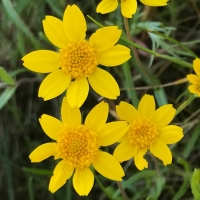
128,33
185,104
102,187
122,191
171,40
166,57
145,73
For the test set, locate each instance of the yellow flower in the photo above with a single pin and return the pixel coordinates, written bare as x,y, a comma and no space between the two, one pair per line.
75,64
148,130
195,79
77,145
128,7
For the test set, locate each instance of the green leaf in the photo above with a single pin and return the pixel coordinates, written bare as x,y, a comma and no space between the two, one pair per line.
6,95
160,96
5,77
150,198
14,16
185,103
132,180
129,84
37,171
195,184
110,190
189,147
160,183
174,41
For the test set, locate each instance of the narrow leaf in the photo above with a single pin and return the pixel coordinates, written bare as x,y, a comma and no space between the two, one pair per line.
5,77
6,95
195,184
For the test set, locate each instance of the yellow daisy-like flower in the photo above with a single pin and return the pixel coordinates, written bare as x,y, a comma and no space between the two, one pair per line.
76,62
128,7
78,146
195,79
148,130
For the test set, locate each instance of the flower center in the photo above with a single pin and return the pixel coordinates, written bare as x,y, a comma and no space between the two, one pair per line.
78,146
79,59
142,132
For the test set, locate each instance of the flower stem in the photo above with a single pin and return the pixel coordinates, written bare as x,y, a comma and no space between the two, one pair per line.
122,191
185,104
166,57
102,187
128,33
148,77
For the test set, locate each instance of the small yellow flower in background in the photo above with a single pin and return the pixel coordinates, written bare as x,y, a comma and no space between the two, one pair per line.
195,79
128,7
148,130
77,145
76,62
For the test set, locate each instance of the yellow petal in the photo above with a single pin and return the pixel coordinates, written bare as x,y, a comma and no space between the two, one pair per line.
126,111
107,6
139,160
164,115
42,61
155,2
196,66
108,166
160,150
61,173
74,23
83,181
51,126
111,132
77,92
171,134
114,56
125,151
124,138
97,116
146,106
70,116
53,28
104,84
43,152
192,78
194,89
105,38
54,85
128,8
59,167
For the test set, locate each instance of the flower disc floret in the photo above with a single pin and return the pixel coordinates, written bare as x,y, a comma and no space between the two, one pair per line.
79,59
78,146
75,65
142,133
148,131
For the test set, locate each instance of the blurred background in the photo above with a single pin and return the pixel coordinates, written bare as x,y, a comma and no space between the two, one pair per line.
21,32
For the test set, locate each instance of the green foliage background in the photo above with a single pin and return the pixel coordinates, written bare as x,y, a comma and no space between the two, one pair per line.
21,32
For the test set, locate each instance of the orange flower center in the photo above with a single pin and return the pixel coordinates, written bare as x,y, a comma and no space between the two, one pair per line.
142,132
78,146
79,59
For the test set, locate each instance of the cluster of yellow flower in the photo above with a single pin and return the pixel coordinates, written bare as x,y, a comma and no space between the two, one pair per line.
73,68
